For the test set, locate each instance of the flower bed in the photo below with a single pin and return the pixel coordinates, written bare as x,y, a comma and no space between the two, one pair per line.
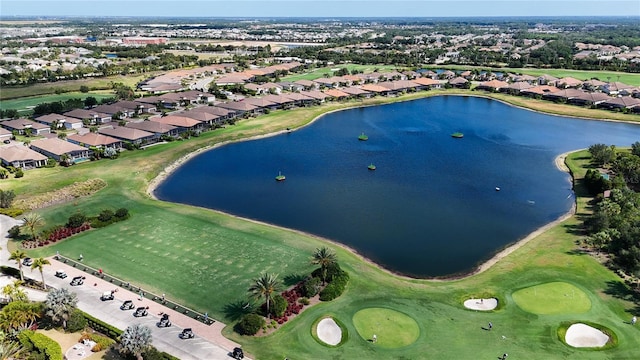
294,307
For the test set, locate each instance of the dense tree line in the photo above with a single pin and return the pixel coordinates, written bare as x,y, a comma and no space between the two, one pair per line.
614,227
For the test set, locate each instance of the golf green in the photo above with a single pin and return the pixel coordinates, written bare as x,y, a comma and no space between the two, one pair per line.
552,298
392,329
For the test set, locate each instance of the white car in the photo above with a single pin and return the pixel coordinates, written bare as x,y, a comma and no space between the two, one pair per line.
61,274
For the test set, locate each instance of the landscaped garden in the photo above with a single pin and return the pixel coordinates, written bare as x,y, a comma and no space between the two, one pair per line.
208,260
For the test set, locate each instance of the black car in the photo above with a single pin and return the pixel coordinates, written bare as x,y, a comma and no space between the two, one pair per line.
127,305
27,261
164,321
141,311
187,334
237,353
78,280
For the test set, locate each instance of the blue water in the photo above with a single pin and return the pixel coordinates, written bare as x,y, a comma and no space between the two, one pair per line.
431,208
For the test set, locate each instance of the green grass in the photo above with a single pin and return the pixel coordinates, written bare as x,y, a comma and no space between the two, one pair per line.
393,329
26,104
627,78
206,260
330,70
552,298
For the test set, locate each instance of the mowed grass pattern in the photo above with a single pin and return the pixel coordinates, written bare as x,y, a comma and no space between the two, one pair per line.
393,329
552,298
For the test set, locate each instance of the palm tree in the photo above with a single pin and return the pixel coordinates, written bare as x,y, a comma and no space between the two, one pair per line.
135,340
18,256
31,221
324,257
14,291
39,264
265,286
60,304
10,349
19,315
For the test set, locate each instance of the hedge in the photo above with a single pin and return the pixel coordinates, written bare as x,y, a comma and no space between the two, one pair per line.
102,327
42,344
335,288
250,324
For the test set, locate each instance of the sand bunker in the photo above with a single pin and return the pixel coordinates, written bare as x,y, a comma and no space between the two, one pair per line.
481,304
329,332
581,335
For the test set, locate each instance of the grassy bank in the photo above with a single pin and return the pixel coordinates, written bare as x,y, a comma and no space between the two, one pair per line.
205,260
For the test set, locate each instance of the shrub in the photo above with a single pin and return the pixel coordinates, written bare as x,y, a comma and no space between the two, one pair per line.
122,213
154,354
102,327
311,287
335,288
76,220
278,305
105,215
42,344
14,232
76,321
19,173
250,324
304,301
12,212
332,271
102,342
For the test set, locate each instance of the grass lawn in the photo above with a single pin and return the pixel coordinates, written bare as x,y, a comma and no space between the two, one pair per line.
26,104
552,298
206,260
392,329
320,72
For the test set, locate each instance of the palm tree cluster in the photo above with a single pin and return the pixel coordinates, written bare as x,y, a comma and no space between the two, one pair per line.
60,304
135,340
266,285
325,258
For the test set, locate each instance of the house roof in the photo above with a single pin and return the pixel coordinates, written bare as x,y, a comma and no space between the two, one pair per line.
55,146
153,100
126,133
198,115
455,81
374,88
16,152
21,124
494,84
315,94
86,114
215,110
567,93
110,109
595,97
623,101
336,93
541,89
151,127
355,91
93,139
51,118
238,106
569,82
259,102
279,99
176,120
398,84
426,81
306,83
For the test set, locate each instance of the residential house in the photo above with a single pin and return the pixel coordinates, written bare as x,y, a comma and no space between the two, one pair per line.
283,101
493,85
593,84
617,88
539,90
57,149
456,82
427,83
157,129
318,96
547,80
326,82
375,89
183,123
261,104
20,156
564,95
622,102
516,88
568,82
224,114
590,98
60,121
90,116
240,107
117,112
336,94
149,104
24,126
5,134
208,119
294,86
356,92
95,140
129,135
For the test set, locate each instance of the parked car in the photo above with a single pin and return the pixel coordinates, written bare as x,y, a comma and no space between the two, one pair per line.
7,141
107,295
187,334
78,280
27,261
141,311
61,274
164,321
127,305
237,353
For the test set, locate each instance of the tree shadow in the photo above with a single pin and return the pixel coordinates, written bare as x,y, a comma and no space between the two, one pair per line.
293,279
620,290
236,310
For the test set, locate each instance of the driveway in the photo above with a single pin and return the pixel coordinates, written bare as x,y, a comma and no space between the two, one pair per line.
207,344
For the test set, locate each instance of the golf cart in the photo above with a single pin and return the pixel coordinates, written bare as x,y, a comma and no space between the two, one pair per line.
107,295
27,261
61,274
186,334
164,321
127,305
78,280
237,353
141,311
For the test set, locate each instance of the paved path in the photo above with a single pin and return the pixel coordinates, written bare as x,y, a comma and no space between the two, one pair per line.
207,344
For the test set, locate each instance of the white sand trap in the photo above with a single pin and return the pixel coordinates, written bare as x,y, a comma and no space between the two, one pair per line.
481,304
581,335
329,332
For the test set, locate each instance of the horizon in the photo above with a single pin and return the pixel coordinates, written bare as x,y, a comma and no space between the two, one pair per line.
339,9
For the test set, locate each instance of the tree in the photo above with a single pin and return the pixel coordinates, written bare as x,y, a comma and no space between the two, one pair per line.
14,291
6,198
265,286
84,88
18,256
602,154
135,340
60,304
90,101
39,264
31,221
635,148
324,257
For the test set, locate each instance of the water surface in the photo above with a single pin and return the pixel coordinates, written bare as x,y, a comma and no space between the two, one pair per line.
431,208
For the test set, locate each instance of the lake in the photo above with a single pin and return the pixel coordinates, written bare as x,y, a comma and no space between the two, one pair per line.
431,207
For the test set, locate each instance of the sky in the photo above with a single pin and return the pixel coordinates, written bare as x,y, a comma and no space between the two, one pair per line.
318,8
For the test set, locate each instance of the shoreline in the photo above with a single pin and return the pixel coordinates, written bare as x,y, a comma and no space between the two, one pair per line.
559,162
